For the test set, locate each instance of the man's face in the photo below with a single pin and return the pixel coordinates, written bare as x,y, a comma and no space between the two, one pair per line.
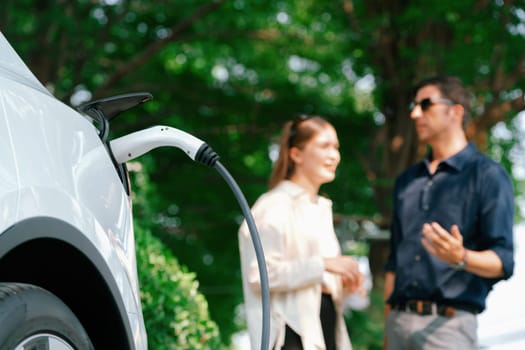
432,114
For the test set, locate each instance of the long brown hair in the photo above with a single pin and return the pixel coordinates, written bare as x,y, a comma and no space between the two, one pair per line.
295,133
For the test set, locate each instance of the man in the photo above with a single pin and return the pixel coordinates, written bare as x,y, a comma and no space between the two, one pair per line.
451,230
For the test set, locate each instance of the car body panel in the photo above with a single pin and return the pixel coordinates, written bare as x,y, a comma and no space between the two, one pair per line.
54,165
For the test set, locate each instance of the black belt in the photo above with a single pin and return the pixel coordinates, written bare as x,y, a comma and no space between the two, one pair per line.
424,307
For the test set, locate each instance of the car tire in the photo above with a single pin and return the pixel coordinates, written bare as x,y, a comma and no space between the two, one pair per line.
33,318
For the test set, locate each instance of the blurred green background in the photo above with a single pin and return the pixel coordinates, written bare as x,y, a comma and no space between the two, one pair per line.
231,73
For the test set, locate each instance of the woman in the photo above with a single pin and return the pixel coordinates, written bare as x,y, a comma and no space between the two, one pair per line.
307,275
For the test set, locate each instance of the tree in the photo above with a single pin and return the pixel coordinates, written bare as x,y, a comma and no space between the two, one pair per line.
470,39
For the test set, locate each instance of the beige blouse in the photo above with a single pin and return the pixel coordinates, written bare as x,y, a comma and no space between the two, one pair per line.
295,234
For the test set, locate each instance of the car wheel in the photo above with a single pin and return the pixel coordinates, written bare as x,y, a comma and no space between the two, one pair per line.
31,318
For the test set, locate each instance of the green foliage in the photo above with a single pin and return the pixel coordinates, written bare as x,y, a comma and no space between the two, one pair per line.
355,248
175,312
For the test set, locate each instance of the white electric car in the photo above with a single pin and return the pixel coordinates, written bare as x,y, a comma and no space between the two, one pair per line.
68,277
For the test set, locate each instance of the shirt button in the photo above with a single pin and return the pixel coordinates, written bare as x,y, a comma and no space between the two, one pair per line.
417,257
415,284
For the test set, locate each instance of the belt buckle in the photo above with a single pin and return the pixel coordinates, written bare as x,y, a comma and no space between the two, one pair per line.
422,307
419,306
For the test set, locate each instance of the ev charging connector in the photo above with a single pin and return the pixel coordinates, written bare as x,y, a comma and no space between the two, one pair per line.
133,145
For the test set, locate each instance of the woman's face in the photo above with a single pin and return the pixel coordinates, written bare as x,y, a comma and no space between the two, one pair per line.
318,159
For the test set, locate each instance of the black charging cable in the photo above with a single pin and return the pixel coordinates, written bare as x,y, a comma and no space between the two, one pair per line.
207,156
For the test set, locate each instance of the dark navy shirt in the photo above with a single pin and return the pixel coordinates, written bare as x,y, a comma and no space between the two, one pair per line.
469,190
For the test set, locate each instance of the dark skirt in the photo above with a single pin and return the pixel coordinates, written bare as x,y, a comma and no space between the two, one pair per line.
292,340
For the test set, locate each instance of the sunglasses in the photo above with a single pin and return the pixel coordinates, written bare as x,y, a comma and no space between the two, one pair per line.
428,102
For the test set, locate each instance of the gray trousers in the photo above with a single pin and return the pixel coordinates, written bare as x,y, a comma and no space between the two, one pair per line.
410,331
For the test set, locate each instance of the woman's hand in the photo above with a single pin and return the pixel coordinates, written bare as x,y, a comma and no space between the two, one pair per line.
352,286
348,268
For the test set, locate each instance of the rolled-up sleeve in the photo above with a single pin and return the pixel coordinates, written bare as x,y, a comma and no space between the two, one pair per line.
497,216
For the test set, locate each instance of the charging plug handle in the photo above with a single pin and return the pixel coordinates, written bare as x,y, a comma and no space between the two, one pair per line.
134,145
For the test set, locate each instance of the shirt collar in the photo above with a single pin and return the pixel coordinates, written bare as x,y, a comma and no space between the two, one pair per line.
298,193
293,189
458,160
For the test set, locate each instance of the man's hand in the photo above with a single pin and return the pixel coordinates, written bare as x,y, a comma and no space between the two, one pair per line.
447,246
